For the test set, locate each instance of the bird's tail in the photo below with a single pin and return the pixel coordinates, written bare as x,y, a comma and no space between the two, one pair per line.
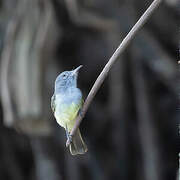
77,146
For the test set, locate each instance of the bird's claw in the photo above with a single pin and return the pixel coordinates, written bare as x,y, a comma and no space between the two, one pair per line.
69,137
80,113
69,140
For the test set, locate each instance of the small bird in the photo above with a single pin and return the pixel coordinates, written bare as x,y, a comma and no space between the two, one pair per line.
66,103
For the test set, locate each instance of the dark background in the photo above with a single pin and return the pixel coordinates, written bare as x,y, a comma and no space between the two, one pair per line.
131,127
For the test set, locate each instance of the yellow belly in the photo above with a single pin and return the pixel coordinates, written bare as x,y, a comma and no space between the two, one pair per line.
66,115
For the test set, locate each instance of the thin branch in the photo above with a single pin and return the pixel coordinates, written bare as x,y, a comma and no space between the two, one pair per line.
143,19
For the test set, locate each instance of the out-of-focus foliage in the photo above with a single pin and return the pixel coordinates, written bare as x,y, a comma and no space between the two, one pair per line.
131,126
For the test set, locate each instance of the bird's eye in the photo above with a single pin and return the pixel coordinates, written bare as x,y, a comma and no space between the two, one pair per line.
64,76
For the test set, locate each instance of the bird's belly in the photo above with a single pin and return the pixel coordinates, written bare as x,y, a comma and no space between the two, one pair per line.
66,115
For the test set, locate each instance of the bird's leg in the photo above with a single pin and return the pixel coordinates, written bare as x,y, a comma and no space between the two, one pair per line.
80,112
67,133
68,136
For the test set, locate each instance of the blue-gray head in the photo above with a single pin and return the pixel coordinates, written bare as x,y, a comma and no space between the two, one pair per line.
66,80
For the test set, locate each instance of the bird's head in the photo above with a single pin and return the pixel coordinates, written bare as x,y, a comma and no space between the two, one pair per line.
67,79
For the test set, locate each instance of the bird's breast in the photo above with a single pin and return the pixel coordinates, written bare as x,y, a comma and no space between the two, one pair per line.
66,112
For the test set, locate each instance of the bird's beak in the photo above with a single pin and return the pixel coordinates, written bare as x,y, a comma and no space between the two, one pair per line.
75,71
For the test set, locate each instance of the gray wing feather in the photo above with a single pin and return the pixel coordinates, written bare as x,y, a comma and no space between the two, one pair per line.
53,106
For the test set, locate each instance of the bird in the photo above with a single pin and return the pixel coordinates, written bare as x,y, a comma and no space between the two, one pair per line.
66,104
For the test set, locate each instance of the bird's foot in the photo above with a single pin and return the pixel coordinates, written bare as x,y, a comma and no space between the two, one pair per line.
69,137
80,113
69,140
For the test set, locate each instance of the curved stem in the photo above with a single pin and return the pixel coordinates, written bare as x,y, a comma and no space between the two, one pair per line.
143,19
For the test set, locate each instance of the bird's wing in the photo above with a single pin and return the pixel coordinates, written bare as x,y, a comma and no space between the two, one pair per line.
53,106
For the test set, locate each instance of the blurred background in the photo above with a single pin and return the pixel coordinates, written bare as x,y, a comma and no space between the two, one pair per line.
131,127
